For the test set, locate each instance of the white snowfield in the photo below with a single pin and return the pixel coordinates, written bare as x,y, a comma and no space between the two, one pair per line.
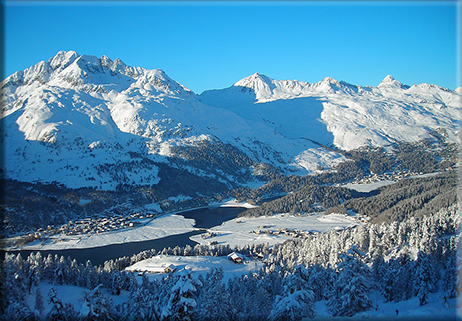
242,231
158,228
368,187
195,264
232,202
73,117
409,310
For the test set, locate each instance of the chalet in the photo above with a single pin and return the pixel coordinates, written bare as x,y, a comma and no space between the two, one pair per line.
208,235
236,258
160,269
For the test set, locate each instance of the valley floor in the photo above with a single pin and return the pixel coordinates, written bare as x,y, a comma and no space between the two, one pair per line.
236,232
146,229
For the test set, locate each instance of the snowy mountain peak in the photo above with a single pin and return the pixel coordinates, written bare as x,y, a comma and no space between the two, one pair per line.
389,81
63,59
73,105
254,81
261,85
89,73
329,80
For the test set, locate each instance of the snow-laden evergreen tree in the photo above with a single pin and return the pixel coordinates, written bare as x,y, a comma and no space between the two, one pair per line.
59,271
116,282
18,311
59,310
35,269
422,281
15,279
378,270
74,272
389,280
39,307
297,300
48,267
97,306
182,299
214,299
262,302
404,289
450,277
318,280
349,295
250,297
140,306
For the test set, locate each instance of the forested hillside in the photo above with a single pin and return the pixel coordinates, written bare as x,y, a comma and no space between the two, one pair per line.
409,197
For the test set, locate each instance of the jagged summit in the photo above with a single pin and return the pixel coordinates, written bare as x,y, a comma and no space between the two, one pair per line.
63,59
87,73
329,80
389,81
262,85
252,79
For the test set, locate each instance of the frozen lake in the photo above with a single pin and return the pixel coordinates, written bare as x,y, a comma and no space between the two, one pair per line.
204,218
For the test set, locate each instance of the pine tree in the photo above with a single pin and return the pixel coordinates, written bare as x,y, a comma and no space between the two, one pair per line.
349,295
59,311
18,311
96,306
450,277
214,299
297,301
116,283
423,279
182,300
39,307
140,306
318,281
404,288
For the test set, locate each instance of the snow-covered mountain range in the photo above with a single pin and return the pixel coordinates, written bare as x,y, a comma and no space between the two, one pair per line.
87,121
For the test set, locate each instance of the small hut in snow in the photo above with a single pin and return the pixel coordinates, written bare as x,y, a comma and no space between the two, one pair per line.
236,257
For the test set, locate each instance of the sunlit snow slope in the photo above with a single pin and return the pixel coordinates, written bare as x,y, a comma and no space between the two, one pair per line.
76,118
348,116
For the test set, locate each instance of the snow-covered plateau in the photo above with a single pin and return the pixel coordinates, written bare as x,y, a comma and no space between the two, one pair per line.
273,230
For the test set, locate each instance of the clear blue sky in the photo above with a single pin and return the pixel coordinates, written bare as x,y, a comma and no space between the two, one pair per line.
210,45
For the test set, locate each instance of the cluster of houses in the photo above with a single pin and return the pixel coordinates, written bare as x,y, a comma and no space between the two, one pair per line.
164,268
95,225
395,176
283,231
238,258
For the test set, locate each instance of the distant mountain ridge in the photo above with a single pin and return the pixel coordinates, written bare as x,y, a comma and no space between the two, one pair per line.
76,118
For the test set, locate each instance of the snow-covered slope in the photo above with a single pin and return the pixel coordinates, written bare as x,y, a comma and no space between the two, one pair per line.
66,117
87,121
346,115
